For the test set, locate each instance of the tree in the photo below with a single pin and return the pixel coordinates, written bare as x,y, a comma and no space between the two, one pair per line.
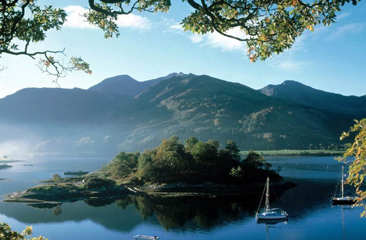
267,26
254,160
122,165
233,149
57,210
205,152
56,178
190,142
357,170
23,22
7,234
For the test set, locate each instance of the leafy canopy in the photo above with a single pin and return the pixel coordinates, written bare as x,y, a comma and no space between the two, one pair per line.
266,26
357,170
23,22
7,234
192,163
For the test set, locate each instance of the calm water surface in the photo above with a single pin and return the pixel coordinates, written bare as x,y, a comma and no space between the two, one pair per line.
309,206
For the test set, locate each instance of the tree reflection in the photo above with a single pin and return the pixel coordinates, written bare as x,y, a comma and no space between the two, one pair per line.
190,212
57,210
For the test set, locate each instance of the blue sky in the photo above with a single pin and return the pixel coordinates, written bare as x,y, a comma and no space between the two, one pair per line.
153,45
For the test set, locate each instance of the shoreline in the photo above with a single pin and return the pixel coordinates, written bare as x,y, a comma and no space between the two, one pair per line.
284,153
50,195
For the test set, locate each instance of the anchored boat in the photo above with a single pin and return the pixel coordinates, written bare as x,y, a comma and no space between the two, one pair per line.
269,213
343,200
76,173
143,237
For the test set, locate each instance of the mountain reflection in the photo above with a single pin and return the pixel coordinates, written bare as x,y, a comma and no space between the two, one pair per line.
183,213
125,214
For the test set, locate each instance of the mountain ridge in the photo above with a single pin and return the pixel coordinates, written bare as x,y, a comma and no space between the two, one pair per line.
96,123
294,91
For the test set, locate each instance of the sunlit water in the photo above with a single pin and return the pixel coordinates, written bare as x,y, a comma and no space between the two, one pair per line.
311,215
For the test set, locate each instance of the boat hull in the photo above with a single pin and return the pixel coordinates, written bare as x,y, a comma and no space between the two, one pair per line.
271,221
280,217
76,173
344,201
143,237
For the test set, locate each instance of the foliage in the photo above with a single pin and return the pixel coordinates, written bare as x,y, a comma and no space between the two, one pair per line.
56,178
233,149
7,234
357,170
192,163
57,210
122,164
93,183
255,160
236,172
23,22
266,26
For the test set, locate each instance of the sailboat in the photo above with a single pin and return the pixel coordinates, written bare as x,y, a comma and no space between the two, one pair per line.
346,200
143,237
270,213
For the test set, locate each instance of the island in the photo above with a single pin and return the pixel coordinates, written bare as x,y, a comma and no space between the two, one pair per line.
5,166
172,169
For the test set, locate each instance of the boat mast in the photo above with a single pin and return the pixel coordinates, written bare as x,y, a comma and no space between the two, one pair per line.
267,195
342,182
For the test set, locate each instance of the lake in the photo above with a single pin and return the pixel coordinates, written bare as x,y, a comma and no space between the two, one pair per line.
311,214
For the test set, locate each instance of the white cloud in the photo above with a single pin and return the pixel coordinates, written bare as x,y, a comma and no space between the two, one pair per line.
216,40
196,38
75,19
290,65
343,15
173,26
347,29
84,141
106,138
135,22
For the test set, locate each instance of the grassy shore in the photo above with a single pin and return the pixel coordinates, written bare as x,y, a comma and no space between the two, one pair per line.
285,152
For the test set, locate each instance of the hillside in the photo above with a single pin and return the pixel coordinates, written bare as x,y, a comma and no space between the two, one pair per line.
125,85
299,93
98,122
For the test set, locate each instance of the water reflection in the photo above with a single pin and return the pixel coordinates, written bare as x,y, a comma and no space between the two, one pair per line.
126,213
271,224
311,215
181,214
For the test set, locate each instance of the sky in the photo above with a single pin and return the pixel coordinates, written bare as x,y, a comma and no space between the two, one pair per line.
331,58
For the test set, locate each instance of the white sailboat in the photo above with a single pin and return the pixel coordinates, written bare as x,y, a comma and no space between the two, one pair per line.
270,213
144,237
345,200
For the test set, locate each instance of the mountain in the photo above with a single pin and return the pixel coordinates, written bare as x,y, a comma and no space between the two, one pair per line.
126,85
299,93
211,108
106,118
52,105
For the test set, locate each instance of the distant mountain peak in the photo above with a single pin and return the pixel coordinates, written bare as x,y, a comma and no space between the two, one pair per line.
287,82
300,93
180,74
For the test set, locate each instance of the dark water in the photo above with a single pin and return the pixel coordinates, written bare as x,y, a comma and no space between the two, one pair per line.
309,206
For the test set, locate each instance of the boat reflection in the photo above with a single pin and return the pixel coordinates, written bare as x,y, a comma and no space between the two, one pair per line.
343,207
270,223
